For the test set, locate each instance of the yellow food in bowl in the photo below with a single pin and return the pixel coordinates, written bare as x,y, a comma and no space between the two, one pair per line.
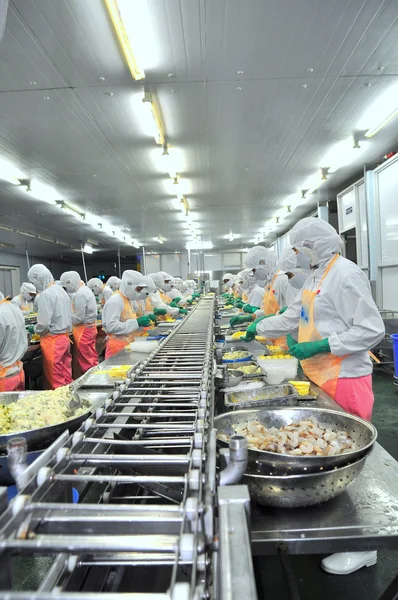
274,356
228,307
238,334
235,355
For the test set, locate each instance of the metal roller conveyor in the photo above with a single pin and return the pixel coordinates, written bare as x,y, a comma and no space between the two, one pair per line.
143,468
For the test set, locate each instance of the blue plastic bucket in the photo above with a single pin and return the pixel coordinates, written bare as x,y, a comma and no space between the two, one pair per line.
394,338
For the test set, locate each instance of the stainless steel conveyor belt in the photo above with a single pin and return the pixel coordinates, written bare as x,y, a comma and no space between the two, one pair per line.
151,522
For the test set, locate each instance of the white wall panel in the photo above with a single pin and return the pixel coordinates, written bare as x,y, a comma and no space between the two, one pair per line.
362,230
213,262
171,264
346,205
389,286
232,259
387,192
152,262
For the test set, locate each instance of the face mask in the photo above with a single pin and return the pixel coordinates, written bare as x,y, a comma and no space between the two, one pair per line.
166,287
142,295
38,285
261,273
308,252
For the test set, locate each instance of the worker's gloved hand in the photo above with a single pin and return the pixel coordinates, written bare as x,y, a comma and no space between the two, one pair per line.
247,308
290,341
282,310
31,329
226,295
152,317
240,319
144,321
173,304
183,311
189,302
239,303
177,300
160,312
309,349
251,331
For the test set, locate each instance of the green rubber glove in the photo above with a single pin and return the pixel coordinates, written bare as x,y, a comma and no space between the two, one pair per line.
31,329
240,319
247,308
183,311
159,312
176,300
290,341
196,295
189,301
251,331
282,310
309,349
226,295
144,321
152,317
173,304
238,303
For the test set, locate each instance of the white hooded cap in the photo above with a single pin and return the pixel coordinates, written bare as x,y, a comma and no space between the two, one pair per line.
114,283
151,287
248,279
315,238
288,260
263,260
95,284
40,276
159,279
70,280
26,290
131,280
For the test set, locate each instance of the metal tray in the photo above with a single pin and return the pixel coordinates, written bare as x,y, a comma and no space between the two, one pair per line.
42,437
276,395
247,375
93,380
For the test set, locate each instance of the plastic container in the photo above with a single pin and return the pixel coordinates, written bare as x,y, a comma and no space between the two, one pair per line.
288,365
394,338
275,375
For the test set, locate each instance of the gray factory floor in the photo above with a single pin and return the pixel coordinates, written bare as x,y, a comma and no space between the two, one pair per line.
368,583
313,583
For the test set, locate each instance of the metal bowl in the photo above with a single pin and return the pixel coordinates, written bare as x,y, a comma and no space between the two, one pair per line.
362,432
232,377
293,491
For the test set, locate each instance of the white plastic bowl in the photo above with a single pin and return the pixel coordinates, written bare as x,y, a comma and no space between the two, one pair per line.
288,366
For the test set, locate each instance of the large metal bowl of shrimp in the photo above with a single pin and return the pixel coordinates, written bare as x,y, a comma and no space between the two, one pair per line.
298,440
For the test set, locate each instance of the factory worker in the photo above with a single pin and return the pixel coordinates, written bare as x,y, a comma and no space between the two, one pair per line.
13,345
175,292
119,319
143,305
228,280
296,265
102,291
25,298
114,283
252,293
162,281
191,286
54,323
84,315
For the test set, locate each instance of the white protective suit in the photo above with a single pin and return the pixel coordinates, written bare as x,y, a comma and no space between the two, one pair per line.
99,289
24,300
344,310
289,263
228,279
114,283
141,304
175,291
114,306
54,308
84,305
13,338
157,302
254,291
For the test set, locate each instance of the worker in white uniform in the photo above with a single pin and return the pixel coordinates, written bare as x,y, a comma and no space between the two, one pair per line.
175,292
252,293
54,324
84,315
338,324
114,283
102,291
228,280
296,265
25,298
119,319
13,345
143,305
161,300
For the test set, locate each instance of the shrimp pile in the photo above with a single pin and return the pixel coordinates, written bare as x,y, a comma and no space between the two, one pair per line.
305,438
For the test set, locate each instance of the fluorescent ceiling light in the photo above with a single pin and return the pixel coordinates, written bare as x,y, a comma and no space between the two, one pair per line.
383,110
70,209
342,154
199,245
43,192
170,161
10,173
134,31
152,121
313,183
231,236
88,249
158,239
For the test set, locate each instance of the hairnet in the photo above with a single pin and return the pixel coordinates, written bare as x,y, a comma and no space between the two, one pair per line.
256,256
288,260
114,283
226,276
150,284
248,279
26,290
131,280
316,238
159,278
40,276
95,284
70,280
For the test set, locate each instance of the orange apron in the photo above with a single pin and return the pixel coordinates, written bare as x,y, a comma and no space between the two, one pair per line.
85,335
115,343
24,304
57,359
322,369
166,299
270,306
245,297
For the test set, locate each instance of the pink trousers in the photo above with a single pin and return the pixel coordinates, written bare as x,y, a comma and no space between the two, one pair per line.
356,396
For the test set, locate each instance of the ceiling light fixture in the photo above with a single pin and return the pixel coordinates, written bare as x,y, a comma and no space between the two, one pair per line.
340,155
152,119
132,26
199,245
169,162
312,183
41,191
159,240
10,173
381,112
88,249
231,236
71,210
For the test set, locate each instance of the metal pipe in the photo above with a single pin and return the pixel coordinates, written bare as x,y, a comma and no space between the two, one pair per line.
121,478
237,464
84,263
129,459
118,262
